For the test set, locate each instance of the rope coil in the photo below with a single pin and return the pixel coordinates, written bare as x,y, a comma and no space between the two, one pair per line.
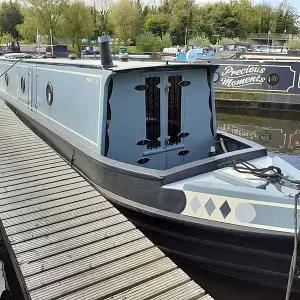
273,174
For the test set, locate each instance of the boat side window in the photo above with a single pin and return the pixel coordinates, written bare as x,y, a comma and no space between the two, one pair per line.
49,93
272,79
6,79
23,84
174,108
152,98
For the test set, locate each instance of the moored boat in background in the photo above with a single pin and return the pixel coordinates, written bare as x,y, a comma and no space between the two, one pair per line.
262,85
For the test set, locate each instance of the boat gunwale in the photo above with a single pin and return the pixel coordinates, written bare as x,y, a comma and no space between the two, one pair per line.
171,175
191,221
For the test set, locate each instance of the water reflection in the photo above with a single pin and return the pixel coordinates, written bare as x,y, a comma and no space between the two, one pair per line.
277,135
4,290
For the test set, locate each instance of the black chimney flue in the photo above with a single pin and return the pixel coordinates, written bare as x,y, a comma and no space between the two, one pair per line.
105,52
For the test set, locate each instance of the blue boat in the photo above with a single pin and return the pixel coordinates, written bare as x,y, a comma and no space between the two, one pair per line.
200,52
145,135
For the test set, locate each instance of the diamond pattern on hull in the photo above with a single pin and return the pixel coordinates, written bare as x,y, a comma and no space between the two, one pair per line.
210,206
195,204
225,209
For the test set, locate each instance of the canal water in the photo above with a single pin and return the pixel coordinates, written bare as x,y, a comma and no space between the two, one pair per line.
8,284
280,134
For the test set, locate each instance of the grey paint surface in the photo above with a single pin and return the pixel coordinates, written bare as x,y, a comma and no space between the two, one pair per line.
197,116
274,216
128,124
77,108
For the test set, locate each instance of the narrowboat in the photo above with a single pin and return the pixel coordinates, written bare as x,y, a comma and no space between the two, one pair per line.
272,85
145,134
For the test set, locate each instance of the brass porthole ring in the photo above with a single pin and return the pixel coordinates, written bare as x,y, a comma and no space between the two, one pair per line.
272,79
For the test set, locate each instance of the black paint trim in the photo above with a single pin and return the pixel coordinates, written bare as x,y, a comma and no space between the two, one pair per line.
183,152
143,142
142,87
184,83
143,160
210,100
217,74
108,114
183,135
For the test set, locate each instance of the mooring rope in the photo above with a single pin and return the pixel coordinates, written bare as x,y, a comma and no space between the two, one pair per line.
10,68
273,174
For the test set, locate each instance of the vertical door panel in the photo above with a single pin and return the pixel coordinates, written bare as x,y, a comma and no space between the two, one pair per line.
153,150
174,143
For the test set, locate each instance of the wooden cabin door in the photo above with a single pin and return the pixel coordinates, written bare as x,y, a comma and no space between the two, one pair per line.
163,101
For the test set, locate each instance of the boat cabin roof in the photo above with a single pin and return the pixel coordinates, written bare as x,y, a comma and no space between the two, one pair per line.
118,66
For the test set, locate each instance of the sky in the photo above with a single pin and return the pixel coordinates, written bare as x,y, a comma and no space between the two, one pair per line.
295,3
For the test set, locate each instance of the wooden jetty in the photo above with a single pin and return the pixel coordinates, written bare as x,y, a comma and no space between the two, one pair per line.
65,240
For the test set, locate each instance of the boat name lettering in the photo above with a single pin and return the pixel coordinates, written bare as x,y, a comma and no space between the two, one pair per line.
92,80
229,70
242,77
236,82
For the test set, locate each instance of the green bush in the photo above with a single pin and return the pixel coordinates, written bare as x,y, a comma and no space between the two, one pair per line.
294,44
200,41
225,41
148,42
166,41
132,49
5,38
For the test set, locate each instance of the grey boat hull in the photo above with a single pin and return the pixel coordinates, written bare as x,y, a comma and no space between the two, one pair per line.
248,253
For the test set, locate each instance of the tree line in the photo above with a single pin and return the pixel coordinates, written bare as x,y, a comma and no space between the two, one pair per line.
150,27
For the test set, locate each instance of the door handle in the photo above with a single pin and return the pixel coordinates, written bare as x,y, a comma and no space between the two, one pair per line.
167,86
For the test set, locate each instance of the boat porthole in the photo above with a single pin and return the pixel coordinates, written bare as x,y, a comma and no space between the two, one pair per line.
49,93
216,77
23,84
272,79
6,79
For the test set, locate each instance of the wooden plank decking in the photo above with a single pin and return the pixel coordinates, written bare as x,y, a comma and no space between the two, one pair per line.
65,240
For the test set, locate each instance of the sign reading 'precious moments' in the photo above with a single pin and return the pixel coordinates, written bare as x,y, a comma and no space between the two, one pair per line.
270,76
242,76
